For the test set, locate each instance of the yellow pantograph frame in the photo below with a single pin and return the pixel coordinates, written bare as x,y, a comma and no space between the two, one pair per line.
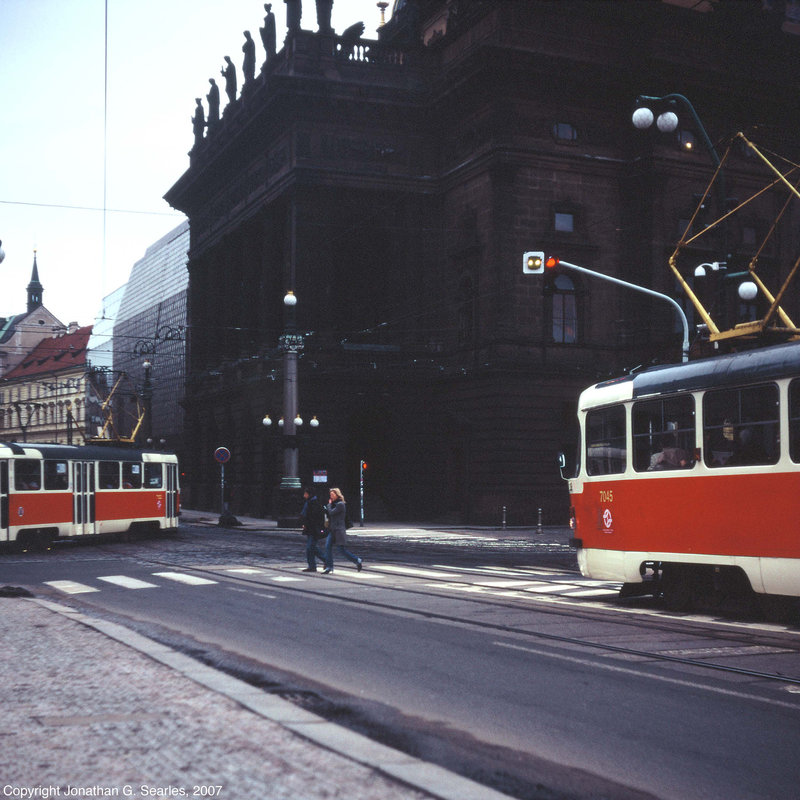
775,322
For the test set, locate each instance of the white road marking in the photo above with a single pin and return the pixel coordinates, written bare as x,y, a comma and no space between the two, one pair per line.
71,587
182,577
422,573
126,582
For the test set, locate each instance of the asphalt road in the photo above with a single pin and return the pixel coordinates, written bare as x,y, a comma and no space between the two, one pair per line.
487,654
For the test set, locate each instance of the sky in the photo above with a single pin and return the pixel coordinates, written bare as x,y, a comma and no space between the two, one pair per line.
83,171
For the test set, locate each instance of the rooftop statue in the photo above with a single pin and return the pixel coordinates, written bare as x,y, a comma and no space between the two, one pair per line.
249,63
198,121
229,73
213,104
268,32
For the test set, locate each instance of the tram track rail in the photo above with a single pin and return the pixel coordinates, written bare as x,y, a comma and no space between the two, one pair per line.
786,642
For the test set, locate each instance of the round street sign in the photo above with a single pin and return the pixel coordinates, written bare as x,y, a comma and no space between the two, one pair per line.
222,454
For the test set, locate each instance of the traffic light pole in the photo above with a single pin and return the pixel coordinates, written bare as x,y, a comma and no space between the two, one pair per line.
635,287
362,466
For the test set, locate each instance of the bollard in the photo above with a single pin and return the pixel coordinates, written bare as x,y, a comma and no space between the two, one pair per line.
539,525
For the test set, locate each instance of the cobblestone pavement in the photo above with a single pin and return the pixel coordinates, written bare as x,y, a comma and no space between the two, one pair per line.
92,709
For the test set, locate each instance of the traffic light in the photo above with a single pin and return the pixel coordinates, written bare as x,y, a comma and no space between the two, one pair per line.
551,262
533,262
363,465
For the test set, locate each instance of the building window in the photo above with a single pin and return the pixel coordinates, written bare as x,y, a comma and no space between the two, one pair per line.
564,132
564,310
564,222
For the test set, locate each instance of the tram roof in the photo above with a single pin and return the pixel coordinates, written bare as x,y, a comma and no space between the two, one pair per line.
86,452
749,366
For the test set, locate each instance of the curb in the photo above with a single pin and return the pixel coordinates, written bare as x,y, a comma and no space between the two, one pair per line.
430,778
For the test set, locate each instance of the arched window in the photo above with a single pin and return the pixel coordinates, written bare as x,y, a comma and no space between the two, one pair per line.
564,310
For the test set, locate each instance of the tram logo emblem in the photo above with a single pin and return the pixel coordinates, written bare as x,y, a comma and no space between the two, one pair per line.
608,520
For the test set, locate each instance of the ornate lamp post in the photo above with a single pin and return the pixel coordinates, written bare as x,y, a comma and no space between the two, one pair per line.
289,492
147,397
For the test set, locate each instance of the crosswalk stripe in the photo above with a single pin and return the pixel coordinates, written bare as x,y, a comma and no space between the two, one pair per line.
71,587
424,573
183,577
246,571
126,582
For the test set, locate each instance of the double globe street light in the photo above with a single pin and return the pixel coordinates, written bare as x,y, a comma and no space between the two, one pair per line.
667,121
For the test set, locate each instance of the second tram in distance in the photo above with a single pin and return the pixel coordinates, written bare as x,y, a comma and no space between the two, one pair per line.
688,478
50,492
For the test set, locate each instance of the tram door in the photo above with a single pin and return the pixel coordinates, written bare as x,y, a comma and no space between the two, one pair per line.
171,511
83,498
3,501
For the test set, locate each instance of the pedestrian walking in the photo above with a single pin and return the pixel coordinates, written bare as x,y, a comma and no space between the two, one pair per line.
337,532
313,518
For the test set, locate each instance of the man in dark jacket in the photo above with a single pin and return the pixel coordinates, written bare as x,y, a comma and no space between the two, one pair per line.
313,518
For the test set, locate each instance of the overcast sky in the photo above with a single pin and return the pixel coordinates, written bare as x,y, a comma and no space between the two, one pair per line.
160,56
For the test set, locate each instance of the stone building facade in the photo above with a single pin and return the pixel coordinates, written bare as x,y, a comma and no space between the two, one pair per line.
47,396
394,183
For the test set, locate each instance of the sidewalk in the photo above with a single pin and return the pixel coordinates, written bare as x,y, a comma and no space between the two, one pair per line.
93,709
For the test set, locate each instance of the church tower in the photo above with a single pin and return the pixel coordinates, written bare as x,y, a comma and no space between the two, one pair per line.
35,288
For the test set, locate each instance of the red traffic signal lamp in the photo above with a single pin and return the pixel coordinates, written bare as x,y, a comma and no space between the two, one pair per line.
551,262
363,465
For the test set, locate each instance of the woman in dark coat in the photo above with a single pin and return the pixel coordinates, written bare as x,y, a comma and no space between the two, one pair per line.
337,532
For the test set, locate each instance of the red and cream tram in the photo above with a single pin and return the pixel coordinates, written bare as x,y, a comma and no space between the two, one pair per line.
51,491
689,476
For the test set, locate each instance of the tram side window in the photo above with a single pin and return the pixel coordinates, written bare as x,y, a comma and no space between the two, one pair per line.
663,434
27,474
606,446
152,476
55,475
108,474
794,420
131,475
741,426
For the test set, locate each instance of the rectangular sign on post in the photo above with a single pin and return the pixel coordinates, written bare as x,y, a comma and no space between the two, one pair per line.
320,476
